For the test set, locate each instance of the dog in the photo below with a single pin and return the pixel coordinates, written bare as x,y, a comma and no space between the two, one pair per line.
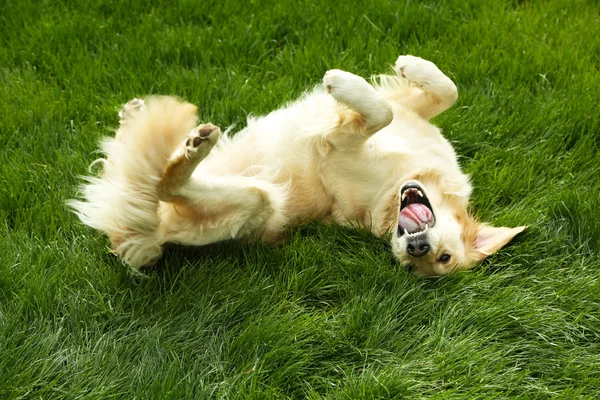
347,152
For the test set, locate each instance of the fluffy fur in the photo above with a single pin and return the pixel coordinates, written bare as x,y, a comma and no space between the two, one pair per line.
346,152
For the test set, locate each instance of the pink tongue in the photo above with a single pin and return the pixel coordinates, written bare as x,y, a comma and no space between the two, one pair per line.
414,217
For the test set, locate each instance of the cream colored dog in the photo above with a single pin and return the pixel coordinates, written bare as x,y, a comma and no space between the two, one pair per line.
346,152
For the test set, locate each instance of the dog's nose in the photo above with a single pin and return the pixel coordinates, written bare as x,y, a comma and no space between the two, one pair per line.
417,249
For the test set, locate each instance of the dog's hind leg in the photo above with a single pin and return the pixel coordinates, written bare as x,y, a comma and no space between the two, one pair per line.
432,91
200,208
198,145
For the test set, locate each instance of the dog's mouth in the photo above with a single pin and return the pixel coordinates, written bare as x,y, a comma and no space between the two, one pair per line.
416,214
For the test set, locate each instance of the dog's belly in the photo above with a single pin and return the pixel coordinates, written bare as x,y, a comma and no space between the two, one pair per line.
280,156
286,147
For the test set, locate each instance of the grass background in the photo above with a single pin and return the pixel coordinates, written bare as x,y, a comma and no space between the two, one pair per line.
330,315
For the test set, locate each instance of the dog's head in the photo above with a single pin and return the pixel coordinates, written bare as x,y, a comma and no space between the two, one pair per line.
437,235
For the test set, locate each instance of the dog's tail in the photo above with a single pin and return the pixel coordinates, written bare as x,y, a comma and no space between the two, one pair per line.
123,202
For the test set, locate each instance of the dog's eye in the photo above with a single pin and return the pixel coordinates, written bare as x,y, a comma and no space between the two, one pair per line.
445,258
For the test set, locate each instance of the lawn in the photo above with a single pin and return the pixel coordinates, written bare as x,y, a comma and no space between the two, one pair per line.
330,315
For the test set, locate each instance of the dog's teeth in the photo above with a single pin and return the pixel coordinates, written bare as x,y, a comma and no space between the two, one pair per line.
403,196
406,232
419,193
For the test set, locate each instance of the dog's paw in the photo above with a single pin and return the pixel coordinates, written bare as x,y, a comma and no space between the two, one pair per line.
337,82
204,136
417,70
346,87
132,107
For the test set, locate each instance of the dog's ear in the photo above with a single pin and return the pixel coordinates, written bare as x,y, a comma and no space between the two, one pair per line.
490,239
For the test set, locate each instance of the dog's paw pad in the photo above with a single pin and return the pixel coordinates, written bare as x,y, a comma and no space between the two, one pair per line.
204,133
194,142
206,130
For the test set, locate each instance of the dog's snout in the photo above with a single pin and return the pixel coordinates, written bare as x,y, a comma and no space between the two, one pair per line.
417,251
418,246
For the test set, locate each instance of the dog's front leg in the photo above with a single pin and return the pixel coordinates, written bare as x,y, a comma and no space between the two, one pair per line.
362,112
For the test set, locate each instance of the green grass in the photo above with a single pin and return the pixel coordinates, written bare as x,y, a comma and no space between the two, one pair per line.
330,315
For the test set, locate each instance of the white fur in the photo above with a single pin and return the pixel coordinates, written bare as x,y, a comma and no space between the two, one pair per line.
340,153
